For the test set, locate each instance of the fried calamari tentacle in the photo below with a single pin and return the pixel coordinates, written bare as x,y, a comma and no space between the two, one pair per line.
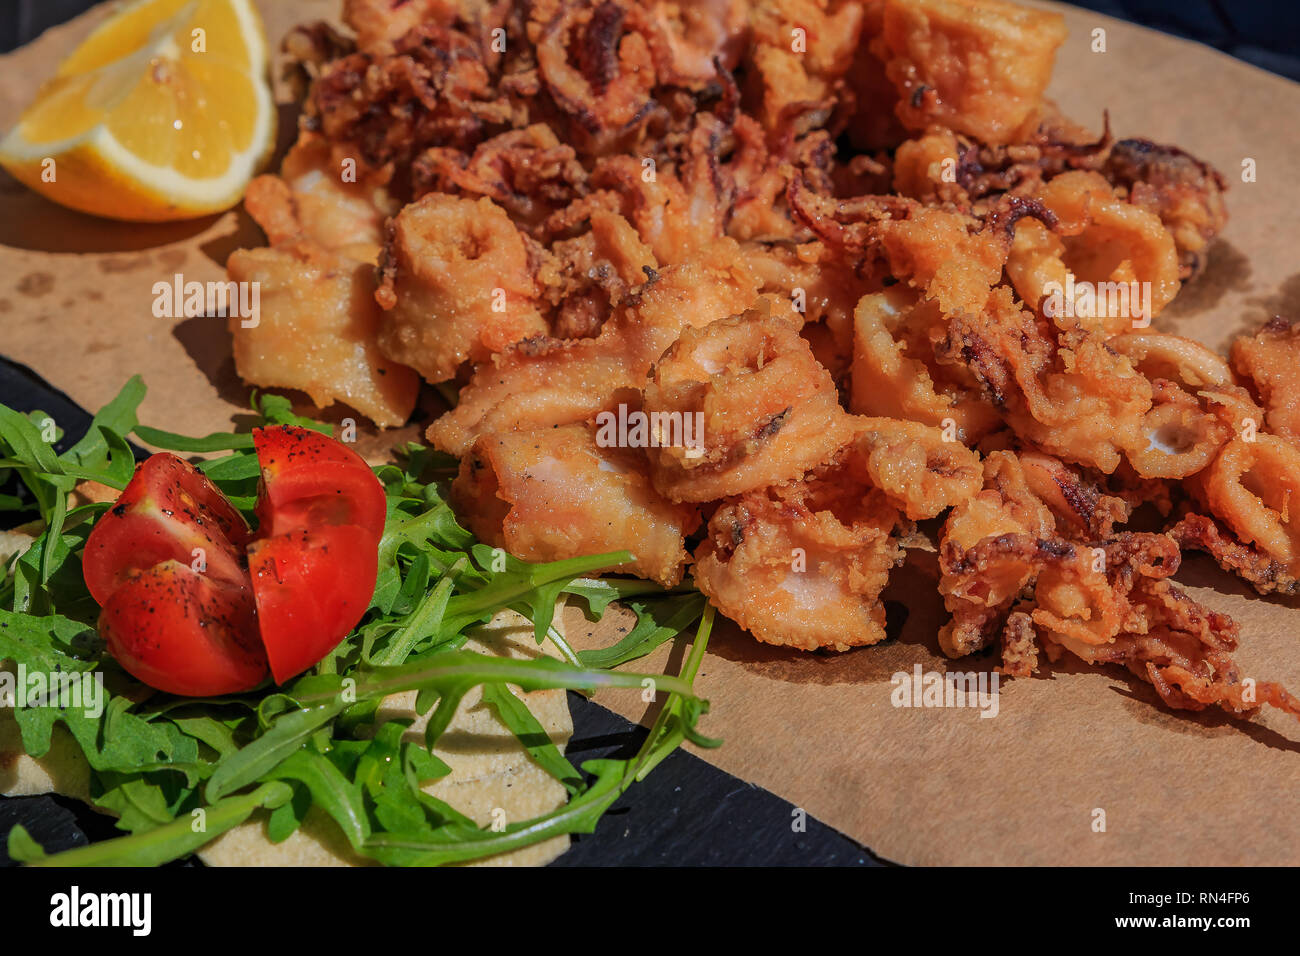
378,23
983,562
1183,649
1265,574
761,408
1184,192
1019,645
1083,594
434,89
1081,507
553,493
677,223
595,61
1269,360
980,583
457,285
802,565
1065,393
1105,602
950,257
529,173
985,172
585,278
308,48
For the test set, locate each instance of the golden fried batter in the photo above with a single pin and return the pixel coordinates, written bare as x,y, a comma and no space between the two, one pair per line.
976,66
456,286
317,331
1006,573
892,380
555,382
1270,360
920,471
1067,394
802,565
767,411
552,493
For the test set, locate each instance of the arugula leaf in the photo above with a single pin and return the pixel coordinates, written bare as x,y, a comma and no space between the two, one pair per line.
217,441
162,844
514,713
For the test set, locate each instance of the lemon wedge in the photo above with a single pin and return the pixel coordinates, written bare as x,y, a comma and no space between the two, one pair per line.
162,113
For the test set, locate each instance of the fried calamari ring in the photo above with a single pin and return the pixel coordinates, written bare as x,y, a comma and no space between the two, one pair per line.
1186,425
767,410
457,285
595,60
554,493
1181,438
802,565
887,381
1184,192
1159,355
1099,248
1251,487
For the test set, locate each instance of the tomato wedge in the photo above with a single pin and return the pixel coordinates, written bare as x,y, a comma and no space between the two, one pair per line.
312,588
165,564
170,566
180,632
320,516
311,481
169,510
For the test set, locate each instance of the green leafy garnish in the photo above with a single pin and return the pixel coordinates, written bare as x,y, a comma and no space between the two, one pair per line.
178,772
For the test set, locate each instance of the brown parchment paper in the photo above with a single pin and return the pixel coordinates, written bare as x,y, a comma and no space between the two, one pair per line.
923,786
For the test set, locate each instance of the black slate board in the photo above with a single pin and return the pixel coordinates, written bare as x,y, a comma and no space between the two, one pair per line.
686,813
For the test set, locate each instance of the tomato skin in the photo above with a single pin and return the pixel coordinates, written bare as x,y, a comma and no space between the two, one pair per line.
167,510
311,587
310,480
181,632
